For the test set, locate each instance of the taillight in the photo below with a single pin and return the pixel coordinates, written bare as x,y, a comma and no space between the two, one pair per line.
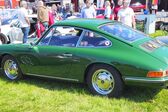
157,74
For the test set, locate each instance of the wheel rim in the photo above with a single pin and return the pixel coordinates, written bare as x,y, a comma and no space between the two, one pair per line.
103,81
11,69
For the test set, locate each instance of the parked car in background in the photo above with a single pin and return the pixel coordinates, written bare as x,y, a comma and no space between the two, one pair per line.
10,34
100,13
138,5
104,54
161,25
10,28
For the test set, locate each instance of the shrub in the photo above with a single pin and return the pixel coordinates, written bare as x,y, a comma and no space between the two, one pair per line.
159,33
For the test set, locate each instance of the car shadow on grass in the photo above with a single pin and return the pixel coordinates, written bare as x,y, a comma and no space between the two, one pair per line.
140,94
136,94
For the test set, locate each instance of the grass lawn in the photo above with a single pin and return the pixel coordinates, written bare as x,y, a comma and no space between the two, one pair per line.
159,33
44,95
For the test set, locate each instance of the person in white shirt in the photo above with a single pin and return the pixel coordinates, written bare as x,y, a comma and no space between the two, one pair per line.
126,14
107,12
88,11
24,21
100,3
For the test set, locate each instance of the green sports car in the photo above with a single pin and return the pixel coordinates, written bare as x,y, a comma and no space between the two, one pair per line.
104,54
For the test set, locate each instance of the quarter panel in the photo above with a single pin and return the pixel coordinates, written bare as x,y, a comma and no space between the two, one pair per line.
128,60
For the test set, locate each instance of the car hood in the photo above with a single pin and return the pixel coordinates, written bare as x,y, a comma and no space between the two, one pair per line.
5,29
153,47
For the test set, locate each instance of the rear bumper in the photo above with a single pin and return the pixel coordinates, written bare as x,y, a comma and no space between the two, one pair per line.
148,82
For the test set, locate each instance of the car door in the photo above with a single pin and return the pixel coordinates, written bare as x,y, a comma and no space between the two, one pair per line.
90,48
54,53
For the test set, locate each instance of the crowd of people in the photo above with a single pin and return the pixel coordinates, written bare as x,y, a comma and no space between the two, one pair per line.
121,12
48,16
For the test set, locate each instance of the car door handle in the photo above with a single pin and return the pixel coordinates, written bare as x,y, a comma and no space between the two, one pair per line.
67,55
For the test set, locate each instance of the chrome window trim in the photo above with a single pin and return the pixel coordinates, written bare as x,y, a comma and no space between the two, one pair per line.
51,37
79,40
44,35
84,31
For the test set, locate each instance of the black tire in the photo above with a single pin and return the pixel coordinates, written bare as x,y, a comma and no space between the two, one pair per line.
110,75
10,68
3,38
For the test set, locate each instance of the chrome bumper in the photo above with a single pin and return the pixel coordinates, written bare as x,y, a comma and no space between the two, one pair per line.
151,82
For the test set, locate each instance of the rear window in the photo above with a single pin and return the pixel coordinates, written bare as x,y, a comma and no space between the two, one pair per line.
123,32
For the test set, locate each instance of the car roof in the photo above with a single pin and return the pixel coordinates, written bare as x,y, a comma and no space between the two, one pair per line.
84,23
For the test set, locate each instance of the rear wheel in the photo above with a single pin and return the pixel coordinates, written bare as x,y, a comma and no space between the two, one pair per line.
104,80
3,39
10,68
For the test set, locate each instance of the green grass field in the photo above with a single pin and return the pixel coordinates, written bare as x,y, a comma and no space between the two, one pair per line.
45,95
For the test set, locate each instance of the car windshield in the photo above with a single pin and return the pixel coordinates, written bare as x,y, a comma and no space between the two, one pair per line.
123,32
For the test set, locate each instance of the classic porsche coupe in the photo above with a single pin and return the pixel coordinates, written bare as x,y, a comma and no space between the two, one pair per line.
104,54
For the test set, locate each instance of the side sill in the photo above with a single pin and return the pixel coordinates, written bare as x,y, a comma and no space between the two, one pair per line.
51,77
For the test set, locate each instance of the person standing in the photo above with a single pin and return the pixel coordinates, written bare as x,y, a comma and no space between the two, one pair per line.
117,8
154,6
107,12
126,15
54,12
42,14
24,20
100,3
88,11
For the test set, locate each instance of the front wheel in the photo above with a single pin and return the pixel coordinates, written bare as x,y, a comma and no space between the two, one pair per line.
3,39
104,80
10,68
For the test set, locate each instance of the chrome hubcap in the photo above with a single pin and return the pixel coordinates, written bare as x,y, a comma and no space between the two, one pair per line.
11,69
103,81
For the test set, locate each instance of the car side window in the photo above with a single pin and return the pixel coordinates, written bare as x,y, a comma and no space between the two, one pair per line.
65,36
62,36
45,40
91,39
123,32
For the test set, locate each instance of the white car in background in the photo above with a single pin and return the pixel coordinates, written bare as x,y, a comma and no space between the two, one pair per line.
10,34
9,30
